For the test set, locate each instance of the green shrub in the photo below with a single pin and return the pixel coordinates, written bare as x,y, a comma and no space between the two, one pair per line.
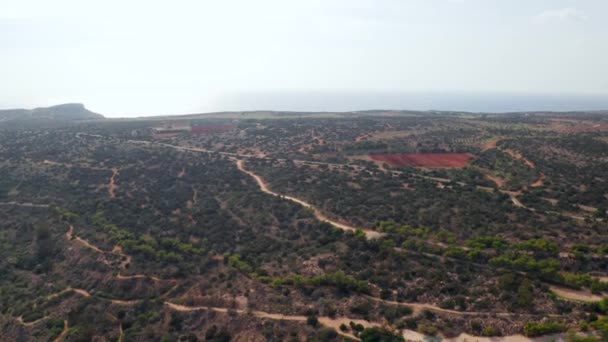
534,329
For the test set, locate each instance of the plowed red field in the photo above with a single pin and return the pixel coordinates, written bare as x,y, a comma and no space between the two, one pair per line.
430,160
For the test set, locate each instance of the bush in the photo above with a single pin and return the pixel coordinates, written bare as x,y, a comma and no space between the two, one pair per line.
534,329
312,320
379,335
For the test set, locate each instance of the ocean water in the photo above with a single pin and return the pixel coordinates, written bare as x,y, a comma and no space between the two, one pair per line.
354,101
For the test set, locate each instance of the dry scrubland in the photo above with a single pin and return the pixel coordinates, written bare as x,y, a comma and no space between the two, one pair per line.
367,226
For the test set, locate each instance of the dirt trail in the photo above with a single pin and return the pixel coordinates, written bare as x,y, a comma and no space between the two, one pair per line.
32,323
122,333
117,250
300,162
51,162
25,204
491,144
140,276
520,157
540,181
64,333
335,323
126,258
518,203
517,155
55,295
513,338
124,302
82,292
417,308
112,185
575,295
72,236
500,183
87,294
370,234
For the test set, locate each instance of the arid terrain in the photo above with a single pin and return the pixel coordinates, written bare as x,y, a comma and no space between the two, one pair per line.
277,226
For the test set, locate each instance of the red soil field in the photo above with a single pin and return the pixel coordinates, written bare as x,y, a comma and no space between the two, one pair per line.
431,160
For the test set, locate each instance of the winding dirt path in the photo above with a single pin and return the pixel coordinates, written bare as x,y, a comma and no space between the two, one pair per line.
72,236
124,302
333,323
417,308
112,184
82,292
139,276
122,333
370,234
25,204
64,333
576,295
32,323
518,156
540,181
236,156
126,258
491,143
117,250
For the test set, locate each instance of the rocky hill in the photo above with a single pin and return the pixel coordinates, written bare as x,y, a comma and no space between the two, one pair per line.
44,116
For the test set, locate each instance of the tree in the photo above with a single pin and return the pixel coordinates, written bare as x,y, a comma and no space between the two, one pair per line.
377,334
312,320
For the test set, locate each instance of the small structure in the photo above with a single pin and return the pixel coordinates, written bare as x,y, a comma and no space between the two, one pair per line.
169,130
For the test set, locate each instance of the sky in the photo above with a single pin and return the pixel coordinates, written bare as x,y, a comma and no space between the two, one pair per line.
133,58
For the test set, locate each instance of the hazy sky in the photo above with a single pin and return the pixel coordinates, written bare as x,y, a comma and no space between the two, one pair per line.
153,57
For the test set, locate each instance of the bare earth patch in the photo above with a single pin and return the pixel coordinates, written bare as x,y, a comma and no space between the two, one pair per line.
428,160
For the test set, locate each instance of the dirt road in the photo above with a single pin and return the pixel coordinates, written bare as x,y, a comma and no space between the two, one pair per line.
28,205
64,333
333,323
575,295
112,184
72,236
370,234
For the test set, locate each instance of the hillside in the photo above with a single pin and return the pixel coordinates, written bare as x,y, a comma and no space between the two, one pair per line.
59,114
451,227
